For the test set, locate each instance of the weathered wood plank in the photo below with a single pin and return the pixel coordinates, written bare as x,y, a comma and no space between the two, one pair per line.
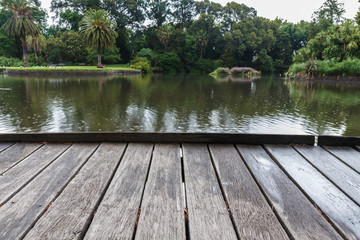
348,155
18,215
159,138
15,154
208,215
68,215
17,177
252,215
301,218
4,146
116,216
343,212
338,141
162,210
340,174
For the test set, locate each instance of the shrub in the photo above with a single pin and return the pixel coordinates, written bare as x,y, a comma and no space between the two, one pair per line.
10,62
204,66
243,70
170,62
221,71
146,52
141,63
109,56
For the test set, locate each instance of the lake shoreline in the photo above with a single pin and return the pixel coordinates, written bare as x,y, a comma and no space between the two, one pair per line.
327,79
68,72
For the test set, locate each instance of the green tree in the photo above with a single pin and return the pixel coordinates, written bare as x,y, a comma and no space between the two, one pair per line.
209,8
201,41
331,10
164,34
183,12
158,11
21,23
235,12
70,19
98,30
36,43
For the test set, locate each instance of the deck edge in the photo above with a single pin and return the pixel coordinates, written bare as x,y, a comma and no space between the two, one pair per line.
152,137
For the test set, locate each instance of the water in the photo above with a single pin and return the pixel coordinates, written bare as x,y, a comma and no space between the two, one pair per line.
178,103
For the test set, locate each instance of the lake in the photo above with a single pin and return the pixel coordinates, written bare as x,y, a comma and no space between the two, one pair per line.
178,103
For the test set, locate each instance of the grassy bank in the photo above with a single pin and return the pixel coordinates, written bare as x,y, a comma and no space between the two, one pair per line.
72,70
325,68
67,68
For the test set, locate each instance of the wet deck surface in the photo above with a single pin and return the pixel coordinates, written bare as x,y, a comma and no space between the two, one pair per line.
178,191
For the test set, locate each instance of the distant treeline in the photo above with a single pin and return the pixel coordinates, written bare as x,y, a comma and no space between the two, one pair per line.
187,35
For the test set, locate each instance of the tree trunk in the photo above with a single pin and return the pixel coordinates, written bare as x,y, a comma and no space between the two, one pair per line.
36,56
99,56
25,54
201,52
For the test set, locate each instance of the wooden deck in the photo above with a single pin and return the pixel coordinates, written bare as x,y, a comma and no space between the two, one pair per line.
133,190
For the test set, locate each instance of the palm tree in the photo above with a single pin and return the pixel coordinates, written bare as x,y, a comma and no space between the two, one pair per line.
36,43
201,40
21,23
98,29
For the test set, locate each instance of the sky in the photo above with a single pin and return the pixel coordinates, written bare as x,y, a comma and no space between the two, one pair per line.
291,10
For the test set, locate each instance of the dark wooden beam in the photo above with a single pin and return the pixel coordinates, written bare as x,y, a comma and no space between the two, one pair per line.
159,138
338,141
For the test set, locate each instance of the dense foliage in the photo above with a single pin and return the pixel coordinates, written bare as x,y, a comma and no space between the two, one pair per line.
186,35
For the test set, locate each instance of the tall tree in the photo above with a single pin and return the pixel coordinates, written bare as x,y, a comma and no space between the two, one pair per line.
235,12
21,23
201,41
331,10
209,8
98,29
158,11
183,12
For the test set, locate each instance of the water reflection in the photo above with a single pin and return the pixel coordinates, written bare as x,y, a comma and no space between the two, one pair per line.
181,103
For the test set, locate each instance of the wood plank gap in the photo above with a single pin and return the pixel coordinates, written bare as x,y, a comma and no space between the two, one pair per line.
328,178
33,177
4,146
323,214
223,194
91,217
183,188
329,151
142,194
265,195
28,154
57,194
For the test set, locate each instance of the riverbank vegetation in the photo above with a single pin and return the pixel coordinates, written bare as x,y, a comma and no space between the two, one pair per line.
182,36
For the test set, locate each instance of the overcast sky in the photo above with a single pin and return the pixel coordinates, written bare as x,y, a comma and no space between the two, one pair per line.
290,10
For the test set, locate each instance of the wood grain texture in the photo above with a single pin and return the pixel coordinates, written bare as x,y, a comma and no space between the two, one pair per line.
208,215
301,218
338,141
116,216
162,210
20,213
68,215
252,215
335,170
159,138
343,212
348,155
15,154
4,146
17,177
